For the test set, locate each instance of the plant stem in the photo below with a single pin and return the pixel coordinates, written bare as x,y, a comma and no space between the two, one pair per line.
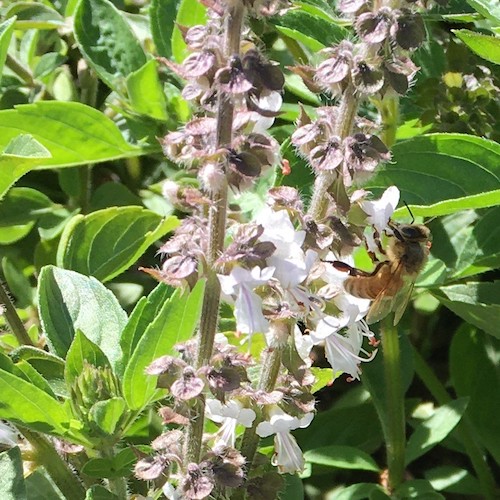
389,112
271,364
395,426
46,455
343,127
464,431
13,320
216,227
25,74
117,485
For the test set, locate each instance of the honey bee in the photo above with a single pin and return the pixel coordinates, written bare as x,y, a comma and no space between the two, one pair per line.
391,283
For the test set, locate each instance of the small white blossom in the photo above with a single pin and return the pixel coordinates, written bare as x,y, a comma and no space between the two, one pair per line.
270,101
248,305
170,492
380,211
229,414
288,456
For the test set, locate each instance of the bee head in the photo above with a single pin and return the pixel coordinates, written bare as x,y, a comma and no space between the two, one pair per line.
411,232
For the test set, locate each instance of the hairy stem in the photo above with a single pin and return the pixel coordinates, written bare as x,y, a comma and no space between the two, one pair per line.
395,434
389,112
343,127
13,320
46,455
271,364
216,226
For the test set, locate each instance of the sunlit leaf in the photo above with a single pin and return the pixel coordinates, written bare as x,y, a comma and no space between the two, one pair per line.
174,323
190,13
440,174
476,303
107,41
146,92
433,430
485,46
107,242
342,457
69,301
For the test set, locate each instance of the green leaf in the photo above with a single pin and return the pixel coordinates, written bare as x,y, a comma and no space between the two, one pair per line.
48,63
476,303
323,377
18,284
474,374
488,8
98,492
105,243
294,488
12,484
431,432
480,249
81,352
417,488
107,414
26,404
61,134
360,491
107,42
6,30
355,425
23,205
69,301
342,457
21,154
453,480
190,13
31,15
175,323
144,313
314,32
439,174
40,486
487,47
162,15
118,466
146,92
27,372
49,366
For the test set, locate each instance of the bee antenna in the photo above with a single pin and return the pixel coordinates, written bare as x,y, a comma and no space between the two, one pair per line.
409,210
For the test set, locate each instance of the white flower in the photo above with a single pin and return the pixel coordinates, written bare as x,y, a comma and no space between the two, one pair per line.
229,414
288,456
342,351
380,211
248,305
170,492
8,435
270,101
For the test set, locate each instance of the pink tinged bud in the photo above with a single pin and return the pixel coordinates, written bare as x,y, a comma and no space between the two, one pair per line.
188,387
198,64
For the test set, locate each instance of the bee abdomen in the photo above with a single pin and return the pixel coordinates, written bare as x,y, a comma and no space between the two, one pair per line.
364,287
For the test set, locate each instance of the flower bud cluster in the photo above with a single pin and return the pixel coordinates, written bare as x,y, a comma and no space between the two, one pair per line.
376,65
252,84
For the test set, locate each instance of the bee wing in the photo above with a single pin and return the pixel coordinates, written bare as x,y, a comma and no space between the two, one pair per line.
387,298
380,307
401,299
